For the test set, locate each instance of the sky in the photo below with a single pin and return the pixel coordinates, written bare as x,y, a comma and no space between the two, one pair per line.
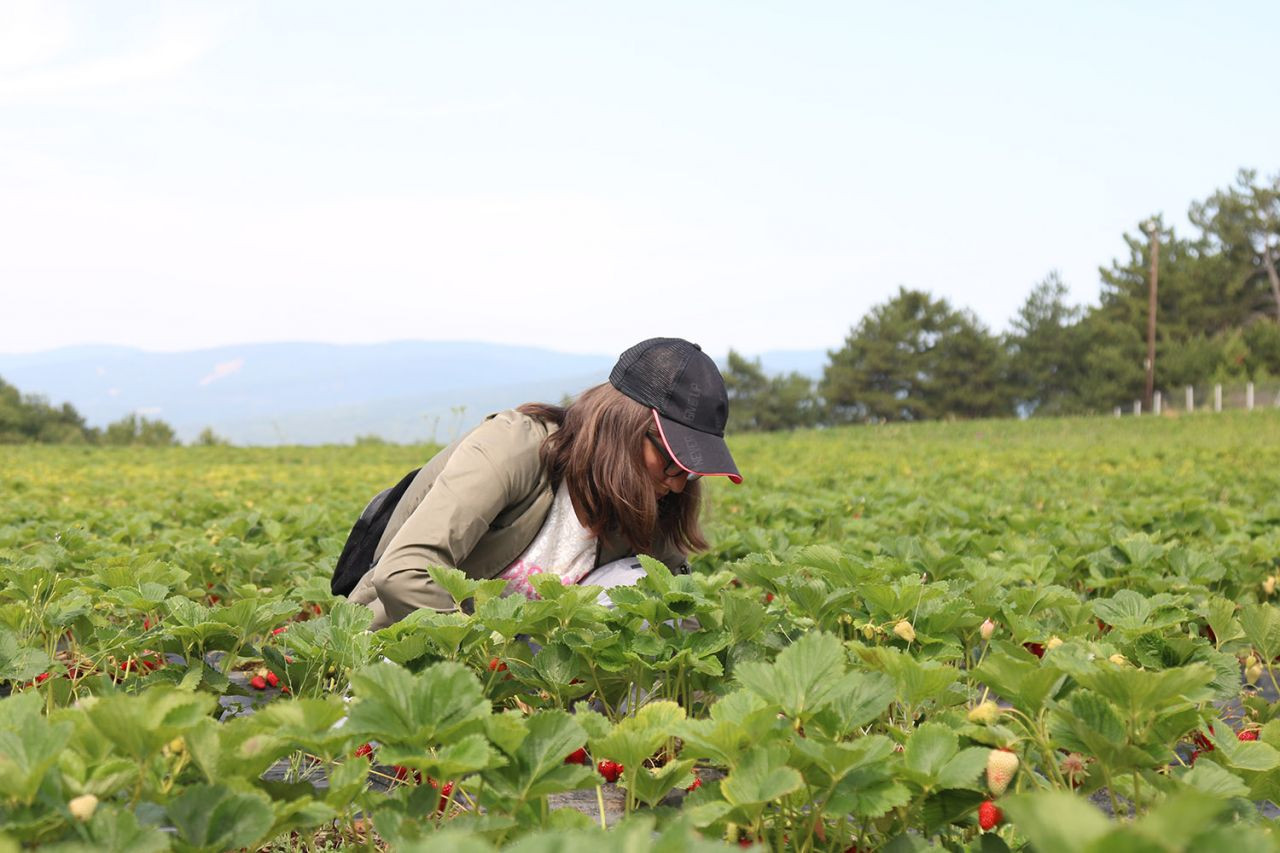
582,175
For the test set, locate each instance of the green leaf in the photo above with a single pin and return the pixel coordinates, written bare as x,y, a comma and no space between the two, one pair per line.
115,830
761,777
140,725
636,738
452,761
393,705
1245,755
803,678
1127,610
1136,691
29,745
1210,778
651,784
18,663
1027,685
964,770
1055,821
927,751
1183,815
1261,624
213,817
537,767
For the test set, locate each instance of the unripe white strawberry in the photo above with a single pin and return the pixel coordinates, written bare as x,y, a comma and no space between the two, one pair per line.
1253,673
904,630
83,807
1118,659
1269,585
1053,643
988,628
1001,765
985,714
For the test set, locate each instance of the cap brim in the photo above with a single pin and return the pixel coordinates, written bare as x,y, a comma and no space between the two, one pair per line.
697,452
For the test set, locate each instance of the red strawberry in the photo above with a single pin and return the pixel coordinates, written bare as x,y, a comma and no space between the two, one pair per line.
768,598
1248,734
364,750
1202,741
275,632
989,816
1036,649
496,665
258,683
273,679
610,770
44,676
578,756
445,792
402,774
1194,755
153,662
697,783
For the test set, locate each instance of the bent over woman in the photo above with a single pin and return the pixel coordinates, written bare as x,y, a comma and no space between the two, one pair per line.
549,490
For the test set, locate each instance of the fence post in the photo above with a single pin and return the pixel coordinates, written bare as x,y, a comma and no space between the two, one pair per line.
1248,396
1191,399
1217,398
1155,402
1117,411
1137,407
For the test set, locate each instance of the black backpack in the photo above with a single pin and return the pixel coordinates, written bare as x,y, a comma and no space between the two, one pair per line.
357,554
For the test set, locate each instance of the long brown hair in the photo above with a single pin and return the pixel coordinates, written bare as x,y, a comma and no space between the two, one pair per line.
598,451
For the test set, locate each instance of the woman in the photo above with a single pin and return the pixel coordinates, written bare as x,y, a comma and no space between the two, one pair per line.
545,489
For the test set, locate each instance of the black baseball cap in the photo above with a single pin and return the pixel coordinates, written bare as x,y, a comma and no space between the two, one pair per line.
683,387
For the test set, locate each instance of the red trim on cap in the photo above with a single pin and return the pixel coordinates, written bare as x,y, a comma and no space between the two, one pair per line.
734,478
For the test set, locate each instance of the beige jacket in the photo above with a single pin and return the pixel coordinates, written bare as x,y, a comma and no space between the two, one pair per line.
475,506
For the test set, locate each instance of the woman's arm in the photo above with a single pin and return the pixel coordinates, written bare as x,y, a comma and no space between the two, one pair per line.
492,468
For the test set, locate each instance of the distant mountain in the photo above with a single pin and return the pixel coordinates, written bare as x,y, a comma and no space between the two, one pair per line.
303,393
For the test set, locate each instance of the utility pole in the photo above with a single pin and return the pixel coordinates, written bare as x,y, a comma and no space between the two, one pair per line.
1153,232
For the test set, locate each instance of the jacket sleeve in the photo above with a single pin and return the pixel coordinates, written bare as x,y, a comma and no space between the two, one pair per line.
492,468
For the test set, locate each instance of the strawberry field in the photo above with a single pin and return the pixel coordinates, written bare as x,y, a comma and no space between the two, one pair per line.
1057,635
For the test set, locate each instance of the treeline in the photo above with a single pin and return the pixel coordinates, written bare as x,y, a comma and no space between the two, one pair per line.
918,357
31,418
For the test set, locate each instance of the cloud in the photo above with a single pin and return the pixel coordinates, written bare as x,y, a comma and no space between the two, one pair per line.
32,32
169,47
223,370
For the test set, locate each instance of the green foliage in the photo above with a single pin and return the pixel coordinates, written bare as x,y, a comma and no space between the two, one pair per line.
28,418
914,358
135,430
823,672
766,403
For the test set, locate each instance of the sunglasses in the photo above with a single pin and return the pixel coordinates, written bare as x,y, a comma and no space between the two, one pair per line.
671,467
